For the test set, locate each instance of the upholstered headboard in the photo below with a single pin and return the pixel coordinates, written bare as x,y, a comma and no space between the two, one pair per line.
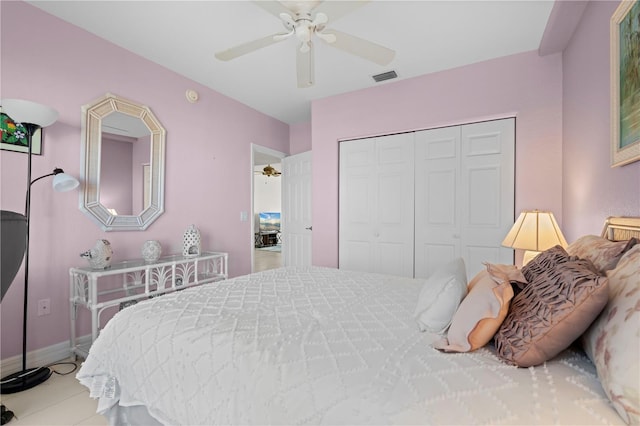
621,228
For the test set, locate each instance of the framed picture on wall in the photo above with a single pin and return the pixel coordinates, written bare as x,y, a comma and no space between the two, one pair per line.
14,136
625,83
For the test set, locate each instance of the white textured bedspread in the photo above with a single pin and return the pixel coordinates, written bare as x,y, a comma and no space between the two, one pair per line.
320,346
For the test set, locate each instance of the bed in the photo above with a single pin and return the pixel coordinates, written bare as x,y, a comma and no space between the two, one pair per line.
326,346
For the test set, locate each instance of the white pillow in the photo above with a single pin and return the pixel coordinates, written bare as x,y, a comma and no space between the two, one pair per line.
440,297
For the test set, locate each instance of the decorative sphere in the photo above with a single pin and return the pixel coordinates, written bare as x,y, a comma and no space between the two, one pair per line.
151,250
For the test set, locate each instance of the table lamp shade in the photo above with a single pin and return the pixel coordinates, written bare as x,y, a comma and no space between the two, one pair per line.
535,231
22,111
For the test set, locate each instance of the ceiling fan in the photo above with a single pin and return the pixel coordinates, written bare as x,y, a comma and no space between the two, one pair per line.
270,171
303,19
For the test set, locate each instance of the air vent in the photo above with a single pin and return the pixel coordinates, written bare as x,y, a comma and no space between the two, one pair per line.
385,76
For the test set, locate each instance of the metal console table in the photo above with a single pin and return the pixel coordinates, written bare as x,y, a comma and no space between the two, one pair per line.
140,280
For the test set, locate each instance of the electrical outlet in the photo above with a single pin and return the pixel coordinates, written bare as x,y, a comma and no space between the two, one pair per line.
44,307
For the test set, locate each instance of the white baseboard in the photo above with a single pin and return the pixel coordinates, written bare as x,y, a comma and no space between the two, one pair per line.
41,357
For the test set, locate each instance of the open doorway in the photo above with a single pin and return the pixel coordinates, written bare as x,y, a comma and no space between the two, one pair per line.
266,204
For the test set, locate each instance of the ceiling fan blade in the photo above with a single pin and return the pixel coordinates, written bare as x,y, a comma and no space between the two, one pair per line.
337,9
251,46
273,7
329,38
361,47
304,62
282,36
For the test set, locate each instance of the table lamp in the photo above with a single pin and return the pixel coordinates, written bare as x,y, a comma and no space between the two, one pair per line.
534,232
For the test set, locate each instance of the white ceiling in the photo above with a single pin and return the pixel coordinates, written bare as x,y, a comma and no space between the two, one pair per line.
428,36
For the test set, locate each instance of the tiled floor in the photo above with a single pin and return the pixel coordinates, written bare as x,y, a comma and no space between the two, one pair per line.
61,400
264,260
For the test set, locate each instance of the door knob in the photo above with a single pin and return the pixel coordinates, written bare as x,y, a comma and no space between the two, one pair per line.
310,228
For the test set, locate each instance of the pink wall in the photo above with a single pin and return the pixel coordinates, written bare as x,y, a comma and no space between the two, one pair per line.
524,85
299,138
54,63
592,190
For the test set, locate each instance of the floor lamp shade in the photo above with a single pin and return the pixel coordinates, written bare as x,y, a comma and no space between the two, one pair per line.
23,111
534,231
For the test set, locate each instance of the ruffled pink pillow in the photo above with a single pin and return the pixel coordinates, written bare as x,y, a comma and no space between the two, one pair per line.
483,309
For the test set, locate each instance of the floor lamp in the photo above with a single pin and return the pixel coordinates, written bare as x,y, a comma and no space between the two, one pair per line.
31,116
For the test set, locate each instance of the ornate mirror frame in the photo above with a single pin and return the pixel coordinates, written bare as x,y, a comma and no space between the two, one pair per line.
92,115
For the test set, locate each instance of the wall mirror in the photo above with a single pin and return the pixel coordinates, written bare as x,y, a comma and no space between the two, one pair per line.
123,146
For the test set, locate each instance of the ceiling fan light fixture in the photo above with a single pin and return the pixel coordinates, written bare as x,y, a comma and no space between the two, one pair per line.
300,18
305,47
287,21
320,20
303,32
270,171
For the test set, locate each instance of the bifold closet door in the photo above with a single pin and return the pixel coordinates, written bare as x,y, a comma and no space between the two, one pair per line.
376,205
437,198
465,191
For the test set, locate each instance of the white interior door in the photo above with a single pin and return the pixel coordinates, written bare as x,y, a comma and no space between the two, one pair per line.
376,205
296,210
